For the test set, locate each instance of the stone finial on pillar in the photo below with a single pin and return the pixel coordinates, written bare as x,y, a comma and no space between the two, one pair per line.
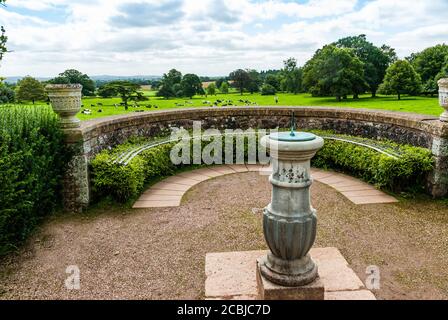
443,98
66,102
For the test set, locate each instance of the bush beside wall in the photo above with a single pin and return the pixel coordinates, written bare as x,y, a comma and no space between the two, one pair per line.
407,173
32,162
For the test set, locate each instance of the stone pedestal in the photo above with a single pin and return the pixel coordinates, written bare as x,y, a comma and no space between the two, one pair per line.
289,221
66,102
268,290
233,276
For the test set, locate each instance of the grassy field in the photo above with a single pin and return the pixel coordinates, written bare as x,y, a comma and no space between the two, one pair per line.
421,105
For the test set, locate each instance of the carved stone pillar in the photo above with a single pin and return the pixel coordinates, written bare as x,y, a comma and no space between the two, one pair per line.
66,102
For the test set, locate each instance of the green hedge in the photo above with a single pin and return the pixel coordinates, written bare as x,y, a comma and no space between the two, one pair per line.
407,173
127,182
32,162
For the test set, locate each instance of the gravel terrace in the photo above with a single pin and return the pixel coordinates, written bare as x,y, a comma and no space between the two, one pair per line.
160,253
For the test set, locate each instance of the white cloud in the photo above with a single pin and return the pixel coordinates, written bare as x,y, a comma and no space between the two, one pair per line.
210,37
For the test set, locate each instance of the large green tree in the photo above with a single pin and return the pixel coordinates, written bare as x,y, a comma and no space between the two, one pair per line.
401,78
292,76
30,89
191,85
376,59
72,76
429,62
241,79
273,80
126,90
254,81
334,71
170,84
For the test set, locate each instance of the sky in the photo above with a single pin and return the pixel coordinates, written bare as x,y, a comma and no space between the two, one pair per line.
206,37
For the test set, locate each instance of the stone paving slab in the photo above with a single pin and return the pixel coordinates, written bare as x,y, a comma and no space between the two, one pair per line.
232,276
238,167
156,204
162,192
356,191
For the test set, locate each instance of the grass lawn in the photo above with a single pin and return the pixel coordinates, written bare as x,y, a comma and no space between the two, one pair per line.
421,105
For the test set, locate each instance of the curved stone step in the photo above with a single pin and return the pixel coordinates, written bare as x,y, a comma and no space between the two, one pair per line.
169,192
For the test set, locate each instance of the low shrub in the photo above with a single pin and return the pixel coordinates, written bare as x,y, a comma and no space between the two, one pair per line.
33,158
125,182
405,173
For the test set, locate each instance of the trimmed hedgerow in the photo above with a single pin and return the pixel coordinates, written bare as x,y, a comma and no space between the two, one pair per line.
124,182
33,158
407,172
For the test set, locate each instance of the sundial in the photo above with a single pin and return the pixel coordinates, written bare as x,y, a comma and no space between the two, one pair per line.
293,135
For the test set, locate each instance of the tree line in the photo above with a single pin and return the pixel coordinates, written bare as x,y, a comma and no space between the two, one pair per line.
350,66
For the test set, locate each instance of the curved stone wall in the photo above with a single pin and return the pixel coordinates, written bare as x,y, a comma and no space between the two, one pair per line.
412,129
99,134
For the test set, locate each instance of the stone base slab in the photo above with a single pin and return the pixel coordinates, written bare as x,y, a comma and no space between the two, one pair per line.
233,276
271,291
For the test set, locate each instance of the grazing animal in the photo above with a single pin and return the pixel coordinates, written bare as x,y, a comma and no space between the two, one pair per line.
157,107
100,110
149,106
92,105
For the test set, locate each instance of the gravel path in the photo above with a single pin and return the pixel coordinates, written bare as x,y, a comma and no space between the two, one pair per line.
160,253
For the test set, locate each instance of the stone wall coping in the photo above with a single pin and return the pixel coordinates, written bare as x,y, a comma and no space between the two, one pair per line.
425,123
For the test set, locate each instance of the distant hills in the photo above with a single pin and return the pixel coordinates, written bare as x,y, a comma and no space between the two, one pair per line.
95,78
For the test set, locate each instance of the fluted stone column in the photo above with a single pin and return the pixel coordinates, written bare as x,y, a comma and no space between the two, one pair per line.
290,222
66,102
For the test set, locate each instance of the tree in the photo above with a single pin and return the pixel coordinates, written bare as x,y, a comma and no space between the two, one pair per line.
254,81
3,37
211,89
172,77
224,88
219,82
106,91
401,78
166,91
444,72
126,90
334,71
241,79
268,90
429,62
273,81
292,76
191,85
72,76
170,85
376,60
30,89
7,95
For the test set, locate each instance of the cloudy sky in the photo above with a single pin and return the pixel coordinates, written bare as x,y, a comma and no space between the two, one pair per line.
207,37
